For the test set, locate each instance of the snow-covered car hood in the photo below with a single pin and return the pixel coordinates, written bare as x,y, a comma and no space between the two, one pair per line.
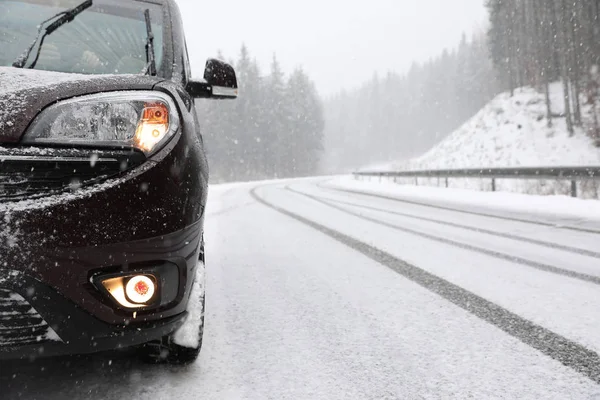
24,93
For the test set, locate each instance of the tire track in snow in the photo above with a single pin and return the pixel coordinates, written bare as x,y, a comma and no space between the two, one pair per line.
559,348
227,210
503,256
570,249
440,207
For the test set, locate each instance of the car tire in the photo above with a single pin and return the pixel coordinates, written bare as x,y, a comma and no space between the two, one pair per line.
167,350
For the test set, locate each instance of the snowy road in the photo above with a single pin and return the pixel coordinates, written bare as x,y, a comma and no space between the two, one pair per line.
319,291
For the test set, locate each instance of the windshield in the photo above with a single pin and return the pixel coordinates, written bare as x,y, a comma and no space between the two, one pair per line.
108,38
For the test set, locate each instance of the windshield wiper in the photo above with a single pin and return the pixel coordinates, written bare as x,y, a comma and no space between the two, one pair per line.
150,54
65,17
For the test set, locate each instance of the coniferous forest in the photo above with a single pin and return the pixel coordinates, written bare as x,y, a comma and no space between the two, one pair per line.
273,130
526,43
280,127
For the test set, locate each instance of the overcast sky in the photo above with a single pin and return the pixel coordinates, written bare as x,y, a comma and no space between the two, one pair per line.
339,43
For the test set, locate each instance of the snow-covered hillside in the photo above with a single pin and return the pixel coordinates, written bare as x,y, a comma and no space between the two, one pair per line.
511,132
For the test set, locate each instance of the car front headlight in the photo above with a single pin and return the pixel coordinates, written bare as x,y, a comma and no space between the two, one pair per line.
139,119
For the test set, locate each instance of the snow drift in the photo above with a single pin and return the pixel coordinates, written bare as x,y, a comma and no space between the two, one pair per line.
514,132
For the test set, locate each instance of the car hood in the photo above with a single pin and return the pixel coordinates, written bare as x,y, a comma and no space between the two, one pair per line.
24,93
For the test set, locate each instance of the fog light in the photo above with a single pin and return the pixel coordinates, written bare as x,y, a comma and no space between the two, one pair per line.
140,289
145,286
132,292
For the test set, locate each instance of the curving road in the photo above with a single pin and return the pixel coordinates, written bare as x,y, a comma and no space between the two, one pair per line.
320,291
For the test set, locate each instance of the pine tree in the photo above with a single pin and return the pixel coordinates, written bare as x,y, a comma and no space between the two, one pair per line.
556,39
306,124
399,116
275,115
274,128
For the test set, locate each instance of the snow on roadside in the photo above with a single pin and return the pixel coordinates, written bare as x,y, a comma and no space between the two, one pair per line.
513,132
557,208
188,335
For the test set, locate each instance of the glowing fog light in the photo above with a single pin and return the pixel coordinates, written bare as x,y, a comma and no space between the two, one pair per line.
132,292
140,289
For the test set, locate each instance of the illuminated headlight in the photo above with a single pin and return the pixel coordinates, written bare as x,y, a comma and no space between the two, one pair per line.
140,119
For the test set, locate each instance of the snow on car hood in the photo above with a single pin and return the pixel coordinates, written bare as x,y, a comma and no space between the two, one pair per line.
13,82
15,79
24,93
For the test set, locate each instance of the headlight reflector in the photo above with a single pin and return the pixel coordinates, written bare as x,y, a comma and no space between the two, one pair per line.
141,119
153,126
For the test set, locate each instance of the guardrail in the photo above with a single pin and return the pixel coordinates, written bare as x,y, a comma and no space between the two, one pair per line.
572,174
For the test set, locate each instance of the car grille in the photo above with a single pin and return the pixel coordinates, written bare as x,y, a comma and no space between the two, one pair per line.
20,323
24,176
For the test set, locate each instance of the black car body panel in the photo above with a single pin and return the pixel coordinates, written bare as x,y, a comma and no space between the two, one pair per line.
128,212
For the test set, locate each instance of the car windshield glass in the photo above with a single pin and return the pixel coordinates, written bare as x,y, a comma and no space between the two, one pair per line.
108,38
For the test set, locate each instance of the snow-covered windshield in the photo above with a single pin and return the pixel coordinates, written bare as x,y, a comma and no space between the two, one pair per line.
108,38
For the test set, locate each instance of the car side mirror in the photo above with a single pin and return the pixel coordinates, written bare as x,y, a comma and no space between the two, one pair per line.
220,82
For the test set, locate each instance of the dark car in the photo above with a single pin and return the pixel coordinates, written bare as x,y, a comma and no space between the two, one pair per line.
103,179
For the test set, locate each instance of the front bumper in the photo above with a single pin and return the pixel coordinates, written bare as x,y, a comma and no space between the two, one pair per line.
51,247
67,314
68,329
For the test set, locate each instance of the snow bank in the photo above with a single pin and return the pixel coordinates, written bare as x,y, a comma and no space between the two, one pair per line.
513,132
188,335
560,210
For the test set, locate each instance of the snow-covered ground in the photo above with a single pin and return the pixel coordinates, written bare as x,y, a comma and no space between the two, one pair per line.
555,209
316,291
513,132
